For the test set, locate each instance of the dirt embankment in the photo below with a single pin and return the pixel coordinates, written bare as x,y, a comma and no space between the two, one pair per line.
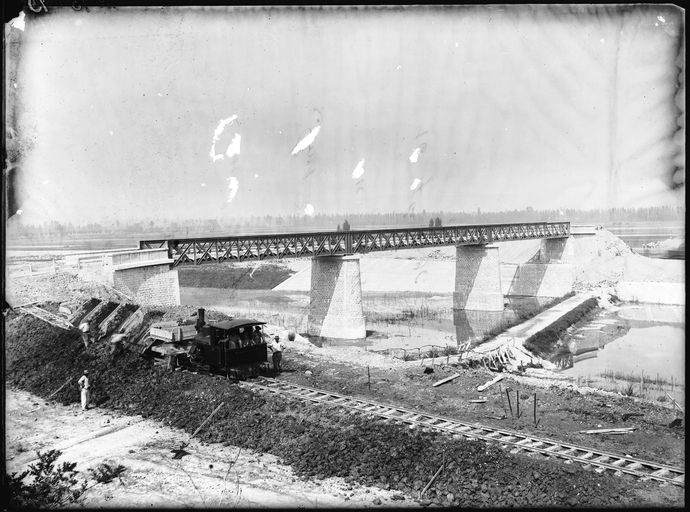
331,443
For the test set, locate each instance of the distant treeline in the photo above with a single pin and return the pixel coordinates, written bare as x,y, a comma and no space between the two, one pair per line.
209,227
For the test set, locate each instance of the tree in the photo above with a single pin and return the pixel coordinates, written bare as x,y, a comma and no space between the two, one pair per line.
49,486
437,222
431,223
346,225
338,230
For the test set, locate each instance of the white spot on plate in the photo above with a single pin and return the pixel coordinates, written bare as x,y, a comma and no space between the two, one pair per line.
398,66
111,132
602,40
78,23
203,184
234,186
159,94
45,182
234,146
256,175
217,133
15,85
306,141
19,22
661,19
415,183
415,155
20,211
456,44
309,210
359,170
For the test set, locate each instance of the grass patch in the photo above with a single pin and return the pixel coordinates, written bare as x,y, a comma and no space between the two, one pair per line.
265,276
541,344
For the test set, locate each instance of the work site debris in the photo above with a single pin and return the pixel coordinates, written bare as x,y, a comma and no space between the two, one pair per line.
447,379
624,430
675,404
490,383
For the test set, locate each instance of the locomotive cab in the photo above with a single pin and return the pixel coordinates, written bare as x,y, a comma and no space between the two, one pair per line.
232,346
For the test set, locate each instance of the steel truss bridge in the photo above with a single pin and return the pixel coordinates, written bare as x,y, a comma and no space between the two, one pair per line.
341,243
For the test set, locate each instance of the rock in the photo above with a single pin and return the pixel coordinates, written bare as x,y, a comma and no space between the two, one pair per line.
308,373
377,501
676,423
428,370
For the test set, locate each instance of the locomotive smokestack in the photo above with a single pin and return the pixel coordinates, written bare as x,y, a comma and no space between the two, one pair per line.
200,320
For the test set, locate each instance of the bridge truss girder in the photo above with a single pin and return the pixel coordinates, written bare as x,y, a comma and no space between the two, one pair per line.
340,243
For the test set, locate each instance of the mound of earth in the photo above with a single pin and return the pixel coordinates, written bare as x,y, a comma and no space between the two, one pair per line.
59,287
331,443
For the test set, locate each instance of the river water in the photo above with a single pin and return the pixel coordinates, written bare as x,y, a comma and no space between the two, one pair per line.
394,321
638,345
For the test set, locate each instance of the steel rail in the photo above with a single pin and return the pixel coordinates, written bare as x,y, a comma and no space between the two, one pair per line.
588,457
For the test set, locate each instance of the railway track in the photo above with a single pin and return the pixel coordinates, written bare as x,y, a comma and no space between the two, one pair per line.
46,316
515,441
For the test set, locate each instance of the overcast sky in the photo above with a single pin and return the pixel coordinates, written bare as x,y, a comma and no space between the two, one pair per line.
188,112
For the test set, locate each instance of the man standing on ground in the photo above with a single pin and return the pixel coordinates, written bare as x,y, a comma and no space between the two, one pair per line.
277,348
84,386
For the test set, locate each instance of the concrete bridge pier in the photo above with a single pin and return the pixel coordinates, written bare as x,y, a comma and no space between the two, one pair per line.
477,278
549,273
335,307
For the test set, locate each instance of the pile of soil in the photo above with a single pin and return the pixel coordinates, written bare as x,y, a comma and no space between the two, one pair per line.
331,443
59,287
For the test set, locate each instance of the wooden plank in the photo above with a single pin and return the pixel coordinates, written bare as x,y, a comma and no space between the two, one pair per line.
490,383
447,379
624,430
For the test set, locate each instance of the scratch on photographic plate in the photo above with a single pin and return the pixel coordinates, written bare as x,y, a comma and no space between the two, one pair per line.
216,135
234,146
359,170
306,141
234,186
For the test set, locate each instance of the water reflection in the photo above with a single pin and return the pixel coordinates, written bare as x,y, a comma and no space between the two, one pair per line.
629,342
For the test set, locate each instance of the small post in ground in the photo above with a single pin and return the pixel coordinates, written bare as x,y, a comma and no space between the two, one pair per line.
535,409
368,379
503,401
517,402
509,404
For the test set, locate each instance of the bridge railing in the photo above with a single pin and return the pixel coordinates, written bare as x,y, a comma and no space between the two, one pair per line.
338,243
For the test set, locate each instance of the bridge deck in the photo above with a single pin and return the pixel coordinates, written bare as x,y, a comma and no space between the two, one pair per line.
338,243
